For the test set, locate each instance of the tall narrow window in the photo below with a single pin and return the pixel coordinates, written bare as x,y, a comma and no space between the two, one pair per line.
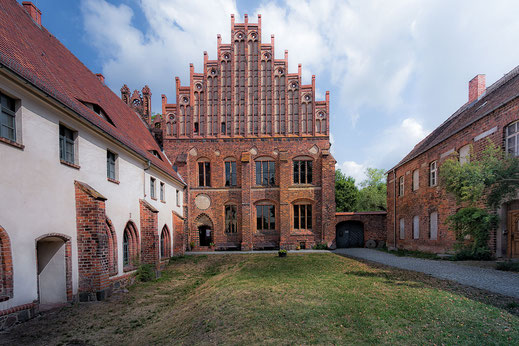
265,217
265,173
110,165
302,216
126,249
152,188
162,192
401,186
416,179
433,174
178,198
402,229
230,173
416,227
302,172
512,139
204,174
465,154
7,118
433,225
231,220
66,144
165,243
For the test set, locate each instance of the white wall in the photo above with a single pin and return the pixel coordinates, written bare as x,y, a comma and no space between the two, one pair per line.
38,195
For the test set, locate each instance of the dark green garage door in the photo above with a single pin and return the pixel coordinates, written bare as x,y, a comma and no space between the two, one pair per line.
350,234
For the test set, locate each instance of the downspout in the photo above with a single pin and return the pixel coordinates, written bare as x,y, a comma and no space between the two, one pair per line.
394,208
148,165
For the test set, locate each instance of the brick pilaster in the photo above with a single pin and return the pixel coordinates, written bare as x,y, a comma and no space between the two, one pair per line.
150,245
92,241
285,178
246,207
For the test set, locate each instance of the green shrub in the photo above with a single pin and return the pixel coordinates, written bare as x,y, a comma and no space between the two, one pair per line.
508,266
468,253
145,273
320,246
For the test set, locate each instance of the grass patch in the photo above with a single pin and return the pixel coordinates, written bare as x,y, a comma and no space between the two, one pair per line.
263,299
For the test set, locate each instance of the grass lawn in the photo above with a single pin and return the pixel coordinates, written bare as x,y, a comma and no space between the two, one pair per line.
263,299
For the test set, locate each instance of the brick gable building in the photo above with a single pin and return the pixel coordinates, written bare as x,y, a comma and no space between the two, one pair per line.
418,206
253,145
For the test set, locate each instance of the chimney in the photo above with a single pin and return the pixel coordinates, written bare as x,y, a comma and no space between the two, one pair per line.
476,87
101,77
32,11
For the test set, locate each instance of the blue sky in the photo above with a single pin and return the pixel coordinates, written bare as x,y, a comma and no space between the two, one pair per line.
395,70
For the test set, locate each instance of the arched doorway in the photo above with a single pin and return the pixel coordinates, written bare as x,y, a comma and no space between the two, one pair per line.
205,230
52,270
350,234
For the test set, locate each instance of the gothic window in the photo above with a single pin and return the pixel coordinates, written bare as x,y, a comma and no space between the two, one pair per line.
131,246
512,139
230,173
231,220
112,248
165,243
302,172
6,267
204,173
302,216
265,217
265,172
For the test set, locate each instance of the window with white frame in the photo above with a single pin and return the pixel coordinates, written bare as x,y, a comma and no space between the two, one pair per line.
433,173
7,118
433,225
416,179
67,144
162,192
512,139
152,188
402,228
110,165
401,186
465,154
416,227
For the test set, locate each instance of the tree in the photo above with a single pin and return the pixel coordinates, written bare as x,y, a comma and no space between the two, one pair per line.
373,195
346,192
480,187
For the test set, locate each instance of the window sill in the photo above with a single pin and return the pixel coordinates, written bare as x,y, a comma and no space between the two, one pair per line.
69,164
129,268
11,143
302,232
154,198
113,181
163,201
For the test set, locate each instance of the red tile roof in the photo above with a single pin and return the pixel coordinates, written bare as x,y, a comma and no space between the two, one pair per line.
501,92
37,56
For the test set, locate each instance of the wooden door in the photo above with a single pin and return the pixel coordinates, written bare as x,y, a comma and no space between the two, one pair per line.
513,234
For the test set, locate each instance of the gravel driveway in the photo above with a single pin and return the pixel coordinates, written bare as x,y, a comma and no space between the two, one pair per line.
505,283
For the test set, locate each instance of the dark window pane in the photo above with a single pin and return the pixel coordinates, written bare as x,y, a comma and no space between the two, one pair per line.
296,217
265,172
303,172
272,172
259,217
303,218
272,217
233,175
258,173
201,174
227,174
296,172
309,172
309,217
207,174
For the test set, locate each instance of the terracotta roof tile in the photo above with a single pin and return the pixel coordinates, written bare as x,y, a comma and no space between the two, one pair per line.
499,93
37,56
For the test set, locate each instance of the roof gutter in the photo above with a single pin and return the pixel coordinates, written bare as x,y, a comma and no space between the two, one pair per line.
82,119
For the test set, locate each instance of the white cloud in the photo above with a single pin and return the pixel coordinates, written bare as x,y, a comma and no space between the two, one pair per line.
353,169
178,33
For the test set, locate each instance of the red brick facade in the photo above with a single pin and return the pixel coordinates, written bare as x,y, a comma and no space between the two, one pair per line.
477,122
374,224
149,234
243,108
6,267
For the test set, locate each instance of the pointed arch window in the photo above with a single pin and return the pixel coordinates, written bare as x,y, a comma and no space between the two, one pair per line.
131,246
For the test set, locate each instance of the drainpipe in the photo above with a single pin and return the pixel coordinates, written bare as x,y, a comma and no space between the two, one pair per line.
148,165
394,208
